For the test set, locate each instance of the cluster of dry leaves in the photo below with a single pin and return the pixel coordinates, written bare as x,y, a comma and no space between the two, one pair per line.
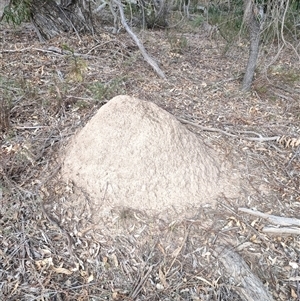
50,90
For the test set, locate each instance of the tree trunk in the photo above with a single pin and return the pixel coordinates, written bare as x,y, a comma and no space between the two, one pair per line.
252,21
52,17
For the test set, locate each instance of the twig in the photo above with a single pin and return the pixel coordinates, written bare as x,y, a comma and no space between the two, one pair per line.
115,15
72,25
57,50
146,56
52,219
277,220
15,50
297,278
99,45
285,230
30,127
177,252
139,285
297,283
100,7
81,98
211,129
51,49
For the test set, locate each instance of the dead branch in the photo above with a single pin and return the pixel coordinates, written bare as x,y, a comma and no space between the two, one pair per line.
116,18
274,230
297,278
15,50
211,129
285,141
247,285
51,49
147,58
277,220
57,50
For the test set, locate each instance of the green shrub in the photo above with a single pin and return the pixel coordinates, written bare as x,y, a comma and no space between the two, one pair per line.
17,11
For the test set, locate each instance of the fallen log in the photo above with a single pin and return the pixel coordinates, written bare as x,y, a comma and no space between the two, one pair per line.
247,285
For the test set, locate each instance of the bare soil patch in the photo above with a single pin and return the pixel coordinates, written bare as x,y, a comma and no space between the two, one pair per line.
47,95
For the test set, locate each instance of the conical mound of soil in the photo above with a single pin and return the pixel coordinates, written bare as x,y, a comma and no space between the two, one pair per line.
134,154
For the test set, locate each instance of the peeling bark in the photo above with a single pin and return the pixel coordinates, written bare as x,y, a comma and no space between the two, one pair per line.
247,285
51,18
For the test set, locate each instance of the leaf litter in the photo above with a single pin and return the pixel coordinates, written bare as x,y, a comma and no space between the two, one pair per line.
53,251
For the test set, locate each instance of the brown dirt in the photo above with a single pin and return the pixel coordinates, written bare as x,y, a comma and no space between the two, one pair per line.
135,155
44,254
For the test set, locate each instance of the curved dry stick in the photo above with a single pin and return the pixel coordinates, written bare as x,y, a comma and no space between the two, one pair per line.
209,129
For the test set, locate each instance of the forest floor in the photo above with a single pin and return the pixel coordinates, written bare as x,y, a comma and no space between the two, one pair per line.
49,90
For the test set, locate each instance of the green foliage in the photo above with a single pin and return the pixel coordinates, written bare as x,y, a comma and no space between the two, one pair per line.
275,29
77,66
77,69
291,23
17,11
107,90
197,22
283,75
178,43
131,9
295,5
227,18
12,91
